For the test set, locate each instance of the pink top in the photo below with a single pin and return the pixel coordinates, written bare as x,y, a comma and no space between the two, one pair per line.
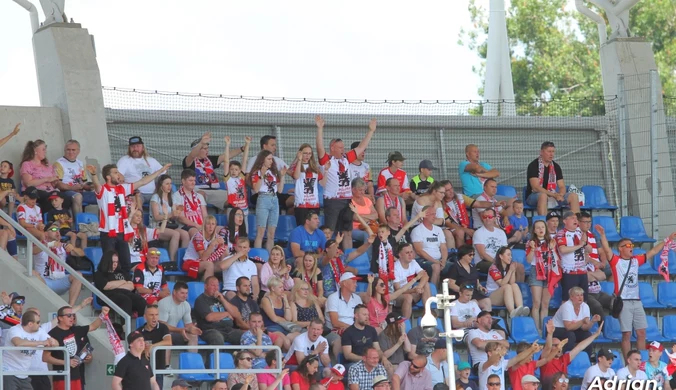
38,171
363,210
267,379
267,273
377,313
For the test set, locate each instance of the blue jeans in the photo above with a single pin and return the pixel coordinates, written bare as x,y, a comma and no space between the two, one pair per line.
267,211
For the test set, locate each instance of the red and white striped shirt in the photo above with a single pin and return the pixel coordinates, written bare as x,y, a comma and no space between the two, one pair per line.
338,175
400,175
113,209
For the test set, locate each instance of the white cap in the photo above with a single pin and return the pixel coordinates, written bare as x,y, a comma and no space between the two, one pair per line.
347,276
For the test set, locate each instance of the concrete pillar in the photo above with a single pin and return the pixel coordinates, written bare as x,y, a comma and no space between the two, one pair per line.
69,79
634,58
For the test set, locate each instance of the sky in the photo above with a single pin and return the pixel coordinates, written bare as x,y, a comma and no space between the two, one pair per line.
314,49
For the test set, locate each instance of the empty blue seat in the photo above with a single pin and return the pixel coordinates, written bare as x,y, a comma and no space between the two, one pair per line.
362,264
225,361
666,294
86,218
609,225
645,291
164,255
555,301
408,324
505,190
669,327
221,219
579,365
251,221
539,218
519,255
632,228
261,253
192,361
170,285
284,227
524,329
595,199
608,287
525,293
611,329
140,322
601,339
195,289
94,254
647,269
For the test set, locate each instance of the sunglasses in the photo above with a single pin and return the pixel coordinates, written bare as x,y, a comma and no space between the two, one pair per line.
380,285
628,246
248,358
69,315
493,384
53,229
563,380
18,302
488,217
157,253
305,288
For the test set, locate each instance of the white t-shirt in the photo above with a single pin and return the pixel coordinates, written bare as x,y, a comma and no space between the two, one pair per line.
362,171
134,169
303,344
306,193
345,310
172,313
136,253
594,372
431,239
278,161
476,212
478,355
465,311
498,369
492,241
403,275
236,270
623,373
46,267
70,172
269,183
567,313
573,262
20,360
32,215
37,364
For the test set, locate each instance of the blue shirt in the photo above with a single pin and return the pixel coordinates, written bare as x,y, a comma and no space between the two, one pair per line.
471,185
517,222
329,278
248,338
308,242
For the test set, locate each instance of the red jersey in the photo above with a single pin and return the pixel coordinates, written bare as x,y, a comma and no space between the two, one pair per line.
400,175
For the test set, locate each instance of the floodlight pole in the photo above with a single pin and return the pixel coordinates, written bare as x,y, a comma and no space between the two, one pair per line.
28,6
498,87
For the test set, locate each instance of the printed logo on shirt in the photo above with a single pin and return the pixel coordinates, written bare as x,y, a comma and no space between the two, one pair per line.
71,344
433,238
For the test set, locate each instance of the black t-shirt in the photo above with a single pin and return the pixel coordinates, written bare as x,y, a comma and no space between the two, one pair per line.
471,385
155,336
461,276
102,278
6,185
533,171
73,339
203,306
59,216
360,340
135,372
245,308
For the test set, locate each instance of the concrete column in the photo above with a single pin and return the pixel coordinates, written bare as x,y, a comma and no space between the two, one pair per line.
69,79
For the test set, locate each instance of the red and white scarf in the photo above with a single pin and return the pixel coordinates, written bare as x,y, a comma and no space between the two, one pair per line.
338,269
191,206
457,211
555,272
386,267
551,183
206,168
117,221
312,282
113,338
669,245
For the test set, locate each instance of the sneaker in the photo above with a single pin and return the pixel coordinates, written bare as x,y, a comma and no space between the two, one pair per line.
515,312
526,311
168,368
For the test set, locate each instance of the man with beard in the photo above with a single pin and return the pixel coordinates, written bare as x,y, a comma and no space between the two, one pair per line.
137,165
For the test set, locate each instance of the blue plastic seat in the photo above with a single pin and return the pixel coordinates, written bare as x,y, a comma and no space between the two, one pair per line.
225,361
609,225
195,289
251,221
288,187
526,294
164,255
666,294
647,297
140,322
579,365
608,287
362,264
362,286
284,227
221,219
611,329
524,329
505,190
170,285
192,361
595,199
555,301
94,254
601,339
261,253
618,362
542,218
179,260
669,327
652,333
519,255
632,228
408,324
86,218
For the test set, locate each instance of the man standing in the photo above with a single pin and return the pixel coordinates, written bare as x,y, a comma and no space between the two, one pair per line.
423,180
596,262
28,334
72,337
391,198
216,316
133,371
173,309
545,180
360,169
364,374
114,226
155,334
72,177
190,205
572,245
412,375
136,165
338,191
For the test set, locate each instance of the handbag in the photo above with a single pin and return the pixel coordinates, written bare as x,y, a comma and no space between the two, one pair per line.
80,263
616,303
170,266
291,327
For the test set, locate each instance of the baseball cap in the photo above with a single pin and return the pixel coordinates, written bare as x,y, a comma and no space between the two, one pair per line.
15,297
136,140
11,169
426,164
463,366
394,317
529,379
656,345
568,214
552,214
338,369
395,156
347,276
54,195
606,353
440,343
133,336
50,225
180,383
380,379
31,192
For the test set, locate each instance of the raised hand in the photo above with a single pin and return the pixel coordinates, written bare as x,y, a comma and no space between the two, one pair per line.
600,329
284,373
550,327
339,237
91,169
299,156
371,238
327,166
596,318
283,171
373,124
319,121
206,138
17,128
531,244
105,310
166,166
247,139
562,344
227,139
353,207
370,278
600,229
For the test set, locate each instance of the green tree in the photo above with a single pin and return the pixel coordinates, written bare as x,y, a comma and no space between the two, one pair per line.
555,52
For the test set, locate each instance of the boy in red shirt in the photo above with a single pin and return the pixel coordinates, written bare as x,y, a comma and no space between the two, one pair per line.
335,381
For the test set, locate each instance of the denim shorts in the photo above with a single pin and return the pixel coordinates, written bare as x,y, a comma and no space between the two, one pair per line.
267,211
533,279
59,286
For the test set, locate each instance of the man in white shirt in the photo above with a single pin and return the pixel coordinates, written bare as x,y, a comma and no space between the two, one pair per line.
360,169
477,339
340,305
487,240
600,371
405,270
136,165
572,320
239,265
72,177
429,243
310,343
465,311
632,370
28,334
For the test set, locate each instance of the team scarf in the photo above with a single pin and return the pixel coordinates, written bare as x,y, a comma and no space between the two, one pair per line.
205,165
193,205
551,183
338,269
669,245
555,273
542,259
457,211
312,281
113,338
117,221
386,267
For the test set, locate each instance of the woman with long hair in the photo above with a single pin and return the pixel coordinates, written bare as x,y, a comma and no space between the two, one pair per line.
276,309
463,272
36,171
276,267
243,361
540,251
307,175
393,340
501,284
161,209
304,377
117,285
236,228
433,197
138,245
304,306
205,251
312,275
374,299
266,181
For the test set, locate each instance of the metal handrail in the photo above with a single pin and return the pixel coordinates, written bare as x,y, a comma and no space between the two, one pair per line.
71,271
218,370
65,373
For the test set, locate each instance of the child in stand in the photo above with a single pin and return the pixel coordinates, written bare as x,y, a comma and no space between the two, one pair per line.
7,187
235,183
463,382
335,380
328,233
496,363
29,215
519,221
64,219
527,365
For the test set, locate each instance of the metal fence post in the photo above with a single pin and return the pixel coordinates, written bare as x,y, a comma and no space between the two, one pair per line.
280,149
654,159
622,121
442,144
